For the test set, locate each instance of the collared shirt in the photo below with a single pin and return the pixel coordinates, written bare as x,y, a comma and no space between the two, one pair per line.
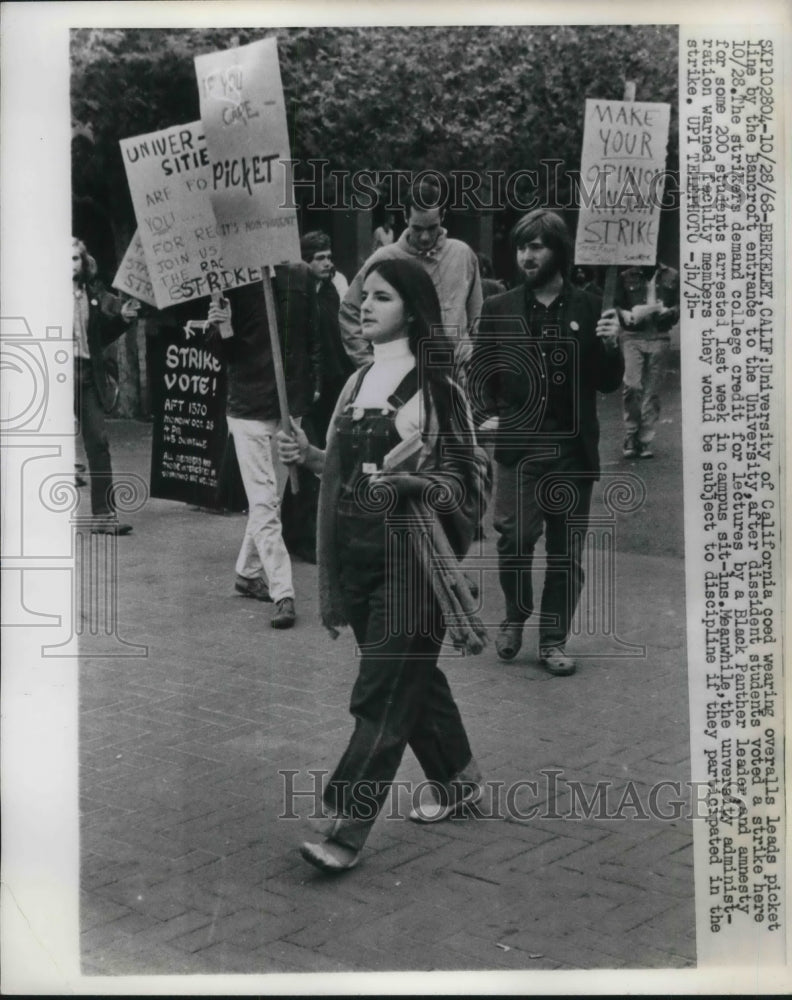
551,441
651,290
544,320
544,323
80,323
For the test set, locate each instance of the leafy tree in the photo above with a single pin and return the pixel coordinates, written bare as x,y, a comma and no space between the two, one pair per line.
378,98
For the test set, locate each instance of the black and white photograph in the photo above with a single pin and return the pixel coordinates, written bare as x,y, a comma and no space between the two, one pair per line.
393,550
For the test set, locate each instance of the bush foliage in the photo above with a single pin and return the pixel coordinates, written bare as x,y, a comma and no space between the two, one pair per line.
379,98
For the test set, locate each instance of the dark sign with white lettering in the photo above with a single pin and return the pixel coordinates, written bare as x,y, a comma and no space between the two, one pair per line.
189,434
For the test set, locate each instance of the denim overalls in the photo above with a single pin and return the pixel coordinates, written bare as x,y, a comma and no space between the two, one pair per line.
364,438
400,696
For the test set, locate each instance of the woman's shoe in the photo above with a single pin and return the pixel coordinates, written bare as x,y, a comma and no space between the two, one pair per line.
436,812
330,856
107,524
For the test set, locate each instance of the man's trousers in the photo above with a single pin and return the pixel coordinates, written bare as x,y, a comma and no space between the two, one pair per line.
528,503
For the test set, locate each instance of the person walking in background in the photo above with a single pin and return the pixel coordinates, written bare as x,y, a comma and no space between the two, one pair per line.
263,568
582,277
648,302
541,354
99,319
490,285
451,265
298,510
400,697
384,235
335,366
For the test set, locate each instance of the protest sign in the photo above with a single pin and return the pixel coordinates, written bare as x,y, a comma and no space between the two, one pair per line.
244,116
169,176
622,176
189,426
133,276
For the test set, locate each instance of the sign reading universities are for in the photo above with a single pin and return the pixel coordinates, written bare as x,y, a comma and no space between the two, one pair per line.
169,178
244,118
622,175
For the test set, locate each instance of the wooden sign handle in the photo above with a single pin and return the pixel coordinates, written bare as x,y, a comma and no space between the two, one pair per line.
277,363
609,291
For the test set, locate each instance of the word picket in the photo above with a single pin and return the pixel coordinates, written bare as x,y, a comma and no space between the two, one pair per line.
244,119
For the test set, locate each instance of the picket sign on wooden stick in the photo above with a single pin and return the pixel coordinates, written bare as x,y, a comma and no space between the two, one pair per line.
268,272
611,273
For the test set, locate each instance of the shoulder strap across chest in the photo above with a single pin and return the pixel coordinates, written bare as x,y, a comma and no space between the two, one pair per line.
403,392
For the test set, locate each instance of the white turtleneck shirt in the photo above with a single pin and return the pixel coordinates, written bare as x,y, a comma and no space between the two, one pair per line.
392,361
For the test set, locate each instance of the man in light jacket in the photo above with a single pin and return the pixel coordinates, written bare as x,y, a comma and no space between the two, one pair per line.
450,263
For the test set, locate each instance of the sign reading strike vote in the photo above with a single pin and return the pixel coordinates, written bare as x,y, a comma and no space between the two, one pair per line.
622,178
189,428
244,117
169,177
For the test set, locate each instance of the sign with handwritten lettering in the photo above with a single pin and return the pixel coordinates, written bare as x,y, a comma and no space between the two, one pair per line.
169,177
189,430
132,276
622,179
244,117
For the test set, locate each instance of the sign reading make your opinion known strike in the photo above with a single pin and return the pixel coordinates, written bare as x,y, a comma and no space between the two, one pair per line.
189,427
622,177
244,117
169,178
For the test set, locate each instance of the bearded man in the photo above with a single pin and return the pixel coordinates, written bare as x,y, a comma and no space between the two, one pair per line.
541,354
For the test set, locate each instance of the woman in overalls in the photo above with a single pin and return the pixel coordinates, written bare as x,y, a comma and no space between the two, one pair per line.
368,572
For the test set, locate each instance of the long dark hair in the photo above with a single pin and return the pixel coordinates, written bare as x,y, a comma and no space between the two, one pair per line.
426,336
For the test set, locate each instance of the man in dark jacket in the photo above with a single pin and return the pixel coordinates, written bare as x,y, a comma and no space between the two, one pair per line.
99,319
541,354
335,365
263,567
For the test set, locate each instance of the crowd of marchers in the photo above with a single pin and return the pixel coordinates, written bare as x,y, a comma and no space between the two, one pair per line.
427,356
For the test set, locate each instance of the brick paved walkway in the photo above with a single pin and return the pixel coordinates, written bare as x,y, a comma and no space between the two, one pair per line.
186,867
